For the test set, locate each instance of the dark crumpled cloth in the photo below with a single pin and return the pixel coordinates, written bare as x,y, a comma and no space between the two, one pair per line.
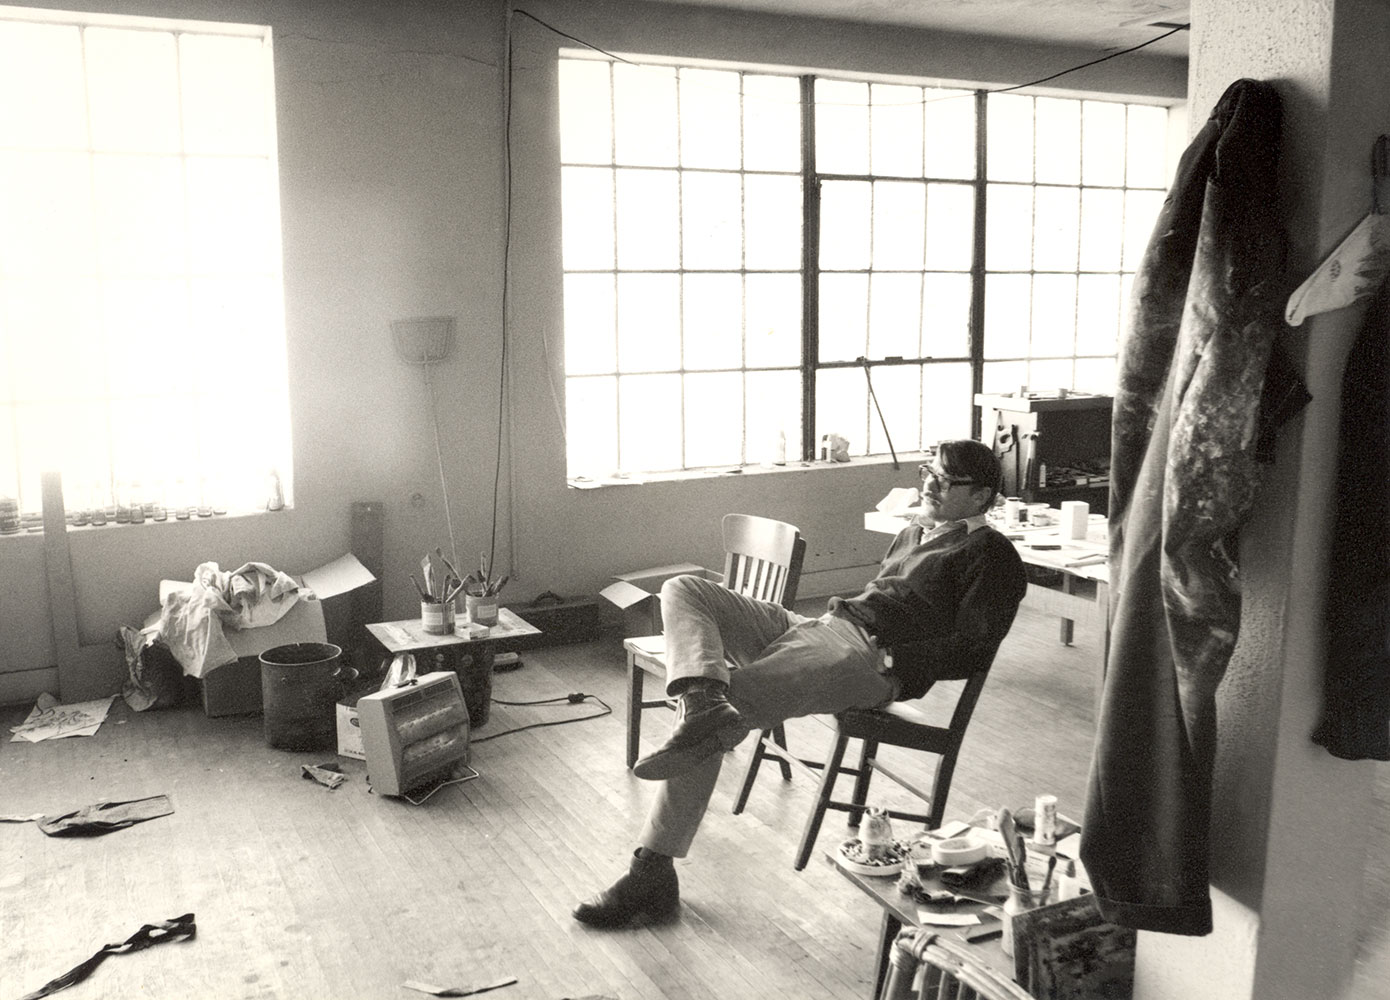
1200,392
103,817
1355,722
182,928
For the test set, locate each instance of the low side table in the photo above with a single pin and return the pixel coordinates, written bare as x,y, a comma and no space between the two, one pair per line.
464,653
900,911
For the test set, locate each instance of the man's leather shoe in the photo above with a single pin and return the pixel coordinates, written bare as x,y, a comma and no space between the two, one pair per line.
706,724
648,893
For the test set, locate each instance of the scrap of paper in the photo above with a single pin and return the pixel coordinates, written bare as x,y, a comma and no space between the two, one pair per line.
457,991
51,721
925,916
898,500
329,775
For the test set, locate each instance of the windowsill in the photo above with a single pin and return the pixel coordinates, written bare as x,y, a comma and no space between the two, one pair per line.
906,462
29,530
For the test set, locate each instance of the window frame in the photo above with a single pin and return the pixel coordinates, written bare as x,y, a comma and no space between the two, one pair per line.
812,181
213,300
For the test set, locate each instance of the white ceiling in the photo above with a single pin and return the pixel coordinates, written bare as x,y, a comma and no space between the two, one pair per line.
1106,25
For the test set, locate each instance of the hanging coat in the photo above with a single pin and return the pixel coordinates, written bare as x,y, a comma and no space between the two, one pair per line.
1191,421
1356,687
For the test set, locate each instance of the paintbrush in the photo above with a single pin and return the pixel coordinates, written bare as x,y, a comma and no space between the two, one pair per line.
1047,879
1013,847
421,590
1022,852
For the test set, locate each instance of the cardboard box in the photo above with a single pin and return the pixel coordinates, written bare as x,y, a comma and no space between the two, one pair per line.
633,600
350,731
235,688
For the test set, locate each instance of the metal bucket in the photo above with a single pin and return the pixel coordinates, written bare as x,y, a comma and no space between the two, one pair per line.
300,686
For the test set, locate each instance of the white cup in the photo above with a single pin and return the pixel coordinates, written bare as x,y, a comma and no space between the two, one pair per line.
1012,505
1076,518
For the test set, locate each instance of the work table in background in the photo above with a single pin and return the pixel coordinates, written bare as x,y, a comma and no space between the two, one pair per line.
1081,591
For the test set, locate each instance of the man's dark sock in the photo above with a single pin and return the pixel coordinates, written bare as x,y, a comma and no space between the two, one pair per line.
687,684
647,854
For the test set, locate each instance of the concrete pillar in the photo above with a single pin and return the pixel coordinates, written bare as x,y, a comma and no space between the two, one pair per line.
1291,823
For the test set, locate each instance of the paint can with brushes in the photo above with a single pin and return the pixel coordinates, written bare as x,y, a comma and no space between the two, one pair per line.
480,594
1020,900
1022,894
437,617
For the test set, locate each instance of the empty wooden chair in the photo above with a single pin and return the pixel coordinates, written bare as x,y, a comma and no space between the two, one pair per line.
762,559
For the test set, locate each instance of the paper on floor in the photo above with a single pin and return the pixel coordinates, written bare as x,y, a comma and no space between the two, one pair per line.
50,721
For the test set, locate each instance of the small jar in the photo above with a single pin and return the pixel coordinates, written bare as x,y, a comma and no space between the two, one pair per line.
1020,901
437,618
481,610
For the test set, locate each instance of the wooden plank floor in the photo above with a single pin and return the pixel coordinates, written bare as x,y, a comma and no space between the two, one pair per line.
304,892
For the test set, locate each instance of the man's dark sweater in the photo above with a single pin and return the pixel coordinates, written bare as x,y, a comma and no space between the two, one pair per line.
942,606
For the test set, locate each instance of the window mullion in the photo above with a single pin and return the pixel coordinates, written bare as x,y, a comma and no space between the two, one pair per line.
810,268
977,263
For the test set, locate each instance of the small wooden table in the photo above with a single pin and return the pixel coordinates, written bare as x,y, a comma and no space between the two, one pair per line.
464,652
900,911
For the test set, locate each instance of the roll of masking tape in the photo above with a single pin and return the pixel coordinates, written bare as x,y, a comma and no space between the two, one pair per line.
958,851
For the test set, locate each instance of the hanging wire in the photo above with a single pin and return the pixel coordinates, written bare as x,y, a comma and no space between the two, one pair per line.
969,93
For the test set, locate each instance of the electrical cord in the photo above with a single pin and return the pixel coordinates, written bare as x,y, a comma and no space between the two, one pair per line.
994,90
576,698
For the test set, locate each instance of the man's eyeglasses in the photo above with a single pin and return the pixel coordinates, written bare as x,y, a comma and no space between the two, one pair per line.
943,479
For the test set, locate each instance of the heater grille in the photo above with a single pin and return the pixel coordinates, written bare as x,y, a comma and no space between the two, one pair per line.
415,735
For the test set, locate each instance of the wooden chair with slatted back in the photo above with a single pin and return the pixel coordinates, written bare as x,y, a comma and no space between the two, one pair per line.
899,725
953,971
762,559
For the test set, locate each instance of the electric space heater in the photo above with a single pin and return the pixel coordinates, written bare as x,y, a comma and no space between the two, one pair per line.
414,735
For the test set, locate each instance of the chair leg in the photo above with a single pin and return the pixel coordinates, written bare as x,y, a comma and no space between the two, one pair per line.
634,708
941,787
827,788
779,736
751,775
862,775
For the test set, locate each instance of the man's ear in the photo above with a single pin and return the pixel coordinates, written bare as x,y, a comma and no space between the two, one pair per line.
983,497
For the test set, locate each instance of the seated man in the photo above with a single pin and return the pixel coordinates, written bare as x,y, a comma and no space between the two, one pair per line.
944,598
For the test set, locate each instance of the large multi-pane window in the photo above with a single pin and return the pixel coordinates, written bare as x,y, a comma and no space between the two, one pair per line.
754,261
1073,191
141,321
